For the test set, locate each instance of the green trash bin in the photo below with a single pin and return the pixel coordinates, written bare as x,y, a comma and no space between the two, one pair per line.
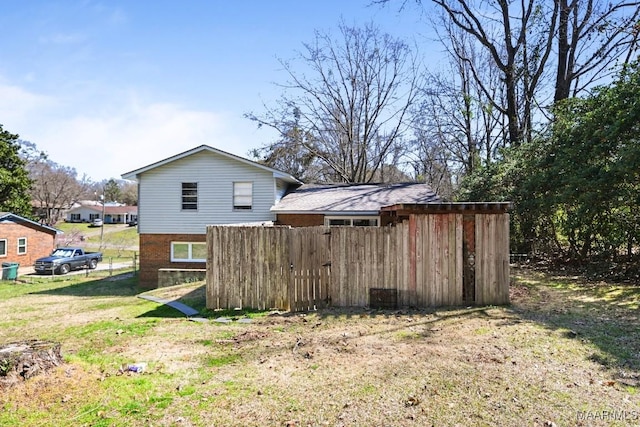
10,270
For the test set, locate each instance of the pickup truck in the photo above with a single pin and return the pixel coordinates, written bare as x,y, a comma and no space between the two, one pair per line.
63,260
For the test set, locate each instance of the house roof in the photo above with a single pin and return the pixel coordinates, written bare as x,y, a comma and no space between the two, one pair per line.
10,217
120,209
112,210
352,198
133,175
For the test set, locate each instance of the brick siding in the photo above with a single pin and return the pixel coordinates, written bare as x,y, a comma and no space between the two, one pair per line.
39,242
155,253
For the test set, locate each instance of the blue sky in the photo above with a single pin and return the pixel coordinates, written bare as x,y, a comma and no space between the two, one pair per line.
110,86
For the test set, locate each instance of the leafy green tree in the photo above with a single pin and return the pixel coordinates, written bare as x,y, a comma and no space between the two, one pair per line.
595,162
112,191
578,186
14,178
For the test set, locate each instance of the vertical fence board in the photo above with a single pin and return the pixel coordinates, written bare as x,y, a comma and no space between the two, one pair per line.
405,265
457,265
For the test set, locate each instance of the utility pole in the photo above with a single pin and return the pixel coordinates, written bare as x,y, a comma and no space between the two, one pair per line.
102,226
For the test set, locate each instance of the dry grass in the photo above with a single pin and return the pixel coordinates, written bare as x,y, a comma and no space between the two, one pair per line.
564,353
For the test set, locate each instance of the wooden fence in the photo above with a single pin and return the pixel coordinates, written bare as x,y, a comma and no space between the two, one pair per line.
430,260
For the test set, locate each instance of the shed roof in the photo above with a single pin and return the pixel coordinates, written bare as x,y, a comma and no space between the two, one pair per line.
353,198
448,207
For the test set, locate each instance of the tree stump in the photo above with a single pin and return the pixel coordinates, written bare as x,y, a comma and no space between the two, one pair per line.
26,359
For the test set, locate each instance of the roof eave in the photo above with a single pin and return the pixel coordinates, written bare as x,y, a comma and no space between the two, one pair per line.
11,215
133,175
326,212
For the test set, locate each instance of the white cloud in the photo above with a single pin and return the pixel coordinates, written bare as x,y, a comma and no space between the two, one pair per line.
105,136
116,142
18,106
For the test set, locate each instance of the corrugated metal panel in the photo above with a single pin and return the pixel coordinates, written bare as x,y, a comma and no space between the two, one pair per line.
160,208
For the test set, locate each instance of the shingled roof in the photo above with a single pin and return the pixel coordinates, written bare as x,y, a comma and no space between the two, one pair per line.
353,198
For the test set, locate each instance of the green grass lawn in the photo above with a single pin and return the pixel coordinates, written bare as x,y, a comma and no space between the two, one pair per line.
565,352
116,242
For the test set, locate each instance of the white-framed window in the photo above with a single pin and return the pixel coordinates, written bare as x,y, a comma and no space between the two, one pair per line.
242,195
189,196
3,247
352,221
22,245
93,216
189,251
75,217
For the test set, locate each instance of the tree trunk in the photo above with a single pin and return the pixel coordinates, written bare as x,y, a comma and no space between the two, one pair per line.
563,76
26,359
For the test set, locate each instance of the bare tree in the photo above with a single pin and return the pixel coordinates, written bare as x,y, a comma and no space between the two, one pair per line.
457,127
584,38
591,36
348,113
502,29
129,193
55,188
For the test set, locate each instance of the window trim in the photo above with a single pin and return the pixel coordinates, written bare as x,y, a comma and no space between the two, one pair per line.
351,219
5,248
189,250
237,206
184,202
18,246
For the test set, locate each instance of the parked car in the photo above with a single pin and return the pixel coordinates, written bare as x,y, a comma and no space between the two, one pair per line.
133,223
63,260
97,222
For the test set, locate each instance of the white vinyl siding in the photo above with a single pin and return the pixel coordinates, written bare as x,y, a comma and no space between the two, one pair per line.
22,245
84,214
160,203
242,195
188,251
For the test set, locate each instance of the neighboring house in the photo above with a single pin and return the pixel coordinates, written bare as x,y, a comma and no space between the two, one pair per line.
23,240
48,212
110,214
348,204
179,196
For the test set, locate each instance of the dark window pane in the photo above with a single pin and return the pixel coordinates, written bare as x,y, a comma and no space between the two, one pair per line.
189,195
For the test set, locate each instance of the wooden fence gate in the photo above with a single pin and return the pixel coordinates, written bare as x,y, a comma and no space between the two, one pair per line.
430,260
